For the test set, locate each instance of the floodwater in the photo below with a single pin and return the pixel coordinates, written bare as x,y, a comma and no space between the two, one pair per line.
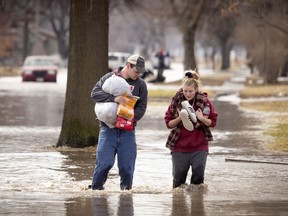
38,180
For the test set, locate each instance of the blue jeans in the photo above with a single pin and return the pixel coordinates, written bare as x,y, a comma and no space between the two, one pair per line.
114,141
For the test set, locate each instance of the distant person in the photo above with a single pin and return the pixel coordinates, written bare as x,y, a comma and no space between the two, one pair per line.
161,65
189,116
114,141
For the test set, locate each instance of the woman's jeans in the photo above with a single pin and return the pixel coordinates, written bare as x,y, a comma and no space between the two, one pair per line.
114,141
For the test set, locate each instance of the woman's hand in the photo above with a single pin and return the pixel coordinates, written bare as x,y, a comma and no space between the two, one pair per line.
199,114
176,121
202,118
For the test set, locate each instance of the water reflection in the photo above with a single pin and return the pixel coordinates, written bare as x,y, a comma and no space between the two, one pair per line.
188,203
184,201
102,205
125,205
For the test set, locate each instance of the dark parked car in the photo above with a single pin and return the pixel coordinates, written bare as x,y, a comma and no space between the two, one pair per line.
39,68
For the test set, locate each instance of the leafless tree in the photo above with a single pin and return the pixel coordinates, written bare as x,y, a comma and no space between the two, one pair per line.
264,31
21,15
57,12
41,20
217,32
187,15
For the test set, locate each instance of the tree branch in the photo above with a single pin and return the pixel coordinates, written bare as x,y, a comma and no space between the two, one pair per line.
275,26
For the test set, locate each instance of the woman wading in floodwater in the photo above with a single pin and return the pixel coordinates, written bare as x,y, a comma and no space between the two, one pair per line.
189,116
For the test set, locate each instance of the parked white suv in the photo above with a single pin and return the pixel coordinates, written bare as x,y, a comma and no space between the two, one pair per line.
117,59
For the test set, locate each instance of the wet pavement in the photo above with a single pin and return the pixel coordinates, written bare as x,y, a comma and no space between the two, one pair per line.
38,180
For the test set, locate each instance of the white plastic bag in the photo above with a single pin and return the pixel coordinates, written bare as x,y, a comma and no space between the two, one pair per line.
107,113
116,86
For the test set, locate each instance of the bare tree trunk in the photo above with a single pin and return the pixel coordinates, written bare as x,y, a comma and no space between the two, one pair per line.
270,67
58,11
189,55
88,61
225,52
25,39
62,45
272,72
187,15
271,78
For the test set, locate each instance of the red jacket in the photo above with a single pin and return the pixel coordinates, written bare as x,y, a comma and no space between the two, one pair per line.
191,141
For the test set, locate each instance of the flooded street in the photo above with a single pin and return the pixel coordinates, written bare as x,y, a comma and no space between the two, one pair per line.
38,180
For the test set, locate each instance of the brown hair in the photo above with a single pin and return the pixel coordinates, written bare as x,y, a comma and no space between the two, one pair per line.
191,78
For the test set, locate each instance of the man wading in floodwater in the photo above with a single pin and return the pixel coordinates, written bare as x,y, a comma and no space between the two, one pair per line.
114,141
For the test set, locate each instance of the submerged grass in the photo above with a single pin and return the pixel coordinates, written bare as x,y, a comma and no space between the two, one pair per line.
168,94
215,80
205,80
279,130
210,80
264,91
9,71
275,106
159,93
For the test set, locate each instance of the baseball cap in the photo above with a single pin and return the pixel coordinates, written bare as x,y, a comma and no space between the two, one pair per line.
138,61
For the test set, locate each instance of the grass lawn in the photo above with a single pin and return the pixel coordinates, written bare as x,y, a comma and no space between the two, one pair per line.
205,80
265,91
211,80
279,128
275,106
9,71
279,132
168,94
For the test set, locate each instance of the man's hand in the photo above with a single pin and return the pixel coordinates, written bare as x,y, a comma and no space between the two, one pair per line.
120,100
